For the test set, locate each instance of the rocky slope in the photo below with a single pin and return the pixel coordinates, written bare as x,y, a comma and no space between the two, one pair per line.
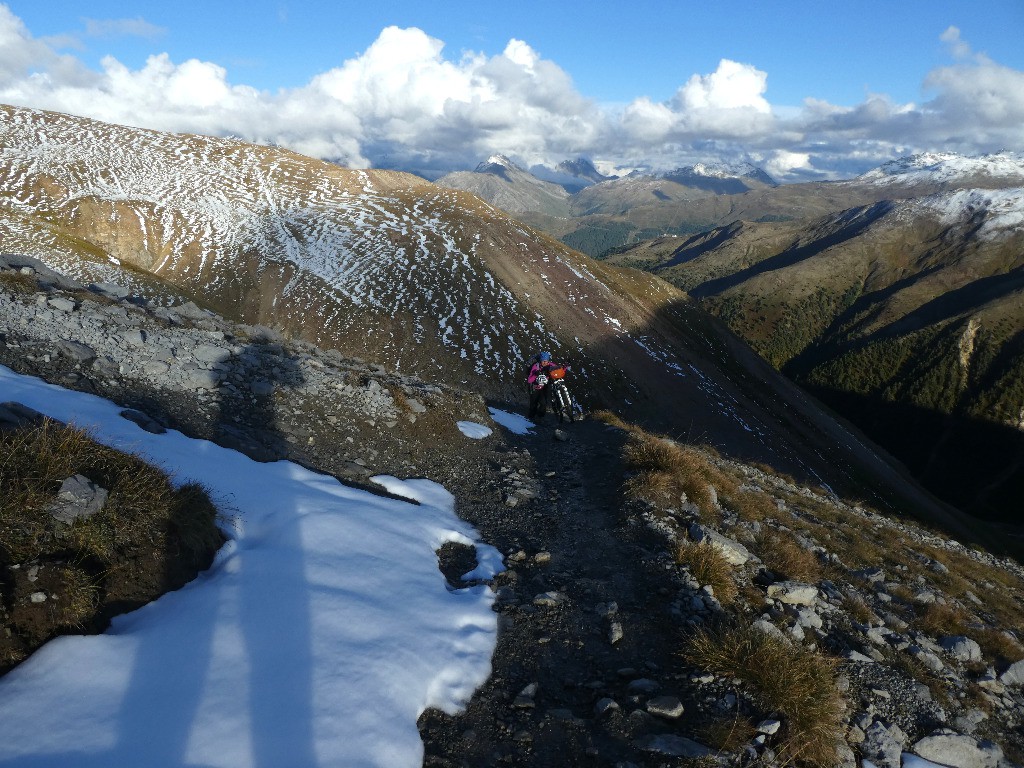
903,315
598,600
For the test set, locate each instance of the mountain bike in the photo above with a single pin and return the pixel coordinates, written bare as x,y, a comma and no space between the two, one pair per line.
564,403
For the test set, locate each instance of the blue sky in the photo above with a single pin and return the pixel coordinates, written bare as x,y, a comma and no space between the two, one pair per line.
808,89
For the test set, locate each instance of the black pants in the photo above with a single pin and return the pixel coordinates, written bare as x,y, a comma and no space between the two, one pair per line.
539,400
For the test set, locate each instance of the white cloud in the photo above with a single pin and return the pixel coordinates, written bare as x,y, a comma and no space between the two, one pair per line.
137,27
403,103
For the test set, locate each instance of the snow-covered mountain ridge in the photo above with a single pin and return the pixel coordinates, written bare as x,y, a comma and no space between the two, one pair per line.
1004,168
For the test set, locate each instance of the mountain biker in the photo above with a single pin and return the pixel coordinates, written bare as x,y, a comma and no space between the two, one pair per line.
539,380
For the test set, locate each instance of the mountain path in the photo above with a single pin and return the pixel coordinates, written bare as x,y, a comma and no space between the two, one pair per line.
582,608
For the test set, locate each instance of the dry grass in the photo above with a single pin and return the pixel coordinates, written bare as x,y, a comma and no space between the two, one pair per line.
15,282
796,683
939,619
728,734
667,473
859,610
710,568
141,506
783,554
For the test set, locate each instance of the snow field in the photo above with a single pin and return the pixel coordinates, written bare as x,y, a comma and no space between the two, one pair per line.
321,632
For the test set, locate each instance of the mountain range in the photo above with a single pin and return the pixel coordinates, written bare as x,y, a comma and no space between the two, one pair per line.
903,312
592,212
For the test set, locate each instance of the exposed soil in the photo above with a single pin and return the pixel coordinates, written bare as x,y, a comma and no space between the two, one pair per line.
575,546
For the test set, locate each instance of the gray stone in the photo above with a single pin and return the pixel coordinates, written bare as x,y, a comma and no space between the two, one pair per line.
144,421
643,685
768,628
669,707
734,552
78,352
769,727
958,750
615,633
549,599
415,405
1013,675
961,648
78,498
14,415
604,706
261,387
883,746
61,304
111,290
211,353
200,378
793,592
134,337
672,745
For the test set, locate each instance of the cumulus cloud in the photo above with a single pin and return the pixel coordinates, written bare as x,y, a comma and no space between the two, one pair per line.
403,103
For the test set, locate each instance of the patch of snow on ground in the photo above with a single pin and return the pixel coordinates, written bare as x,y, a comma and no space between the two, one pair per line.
473,430
513,422
318,636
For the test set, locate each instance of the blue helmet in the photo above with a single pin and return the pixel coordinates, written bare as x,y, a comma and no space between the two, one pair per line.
545,356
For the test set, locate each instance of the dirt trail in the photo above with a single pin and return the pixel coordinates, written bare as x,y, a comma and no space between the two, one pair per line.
578,570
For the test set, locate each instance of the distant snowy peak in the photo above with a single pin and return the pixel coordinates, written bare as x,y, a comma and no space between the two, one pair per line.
582,168
497,164
948,167
719,172
1000,212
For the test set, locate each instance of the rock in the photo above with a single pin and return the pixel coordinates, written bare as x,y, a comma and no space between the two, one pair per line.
144,421
669,707
643,685
200,378
110,290
15,415
61,304
561,435
615,633
549,599
958,751
78,498
1013,675
604,706
961,648
883,746
211,353
768,628
134,337
78,352
525,699
672,745
734,552
793,592
769,727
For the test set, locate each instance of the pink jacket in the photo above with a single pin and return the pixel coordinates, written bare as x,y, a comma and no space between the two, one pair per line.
536,370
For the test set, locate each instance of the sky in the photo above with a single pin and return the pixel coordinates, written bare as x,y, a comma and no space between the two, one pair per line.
317,637
806,89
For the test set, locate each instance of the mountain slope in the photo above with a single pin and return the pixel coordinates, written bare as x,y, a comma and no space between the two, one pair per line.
422,280
905,315
502,183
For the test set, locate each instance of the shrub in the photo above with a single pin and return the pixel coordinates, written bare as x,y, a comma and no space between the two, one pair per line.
795,682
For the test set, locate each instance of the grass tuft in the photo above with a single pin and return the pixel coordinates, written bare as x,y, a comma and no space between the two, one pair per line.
710,568
791,680
783,554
